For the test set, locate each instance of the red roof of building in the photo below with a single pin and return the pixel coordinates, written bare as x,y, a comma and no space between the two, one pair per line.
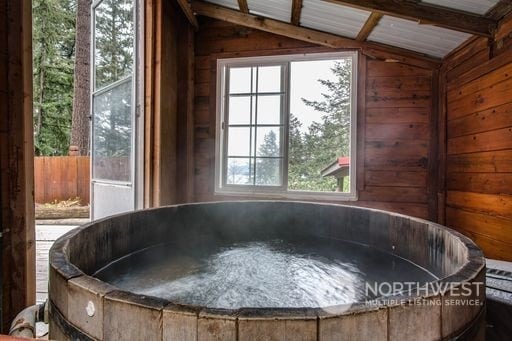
339,167
344,161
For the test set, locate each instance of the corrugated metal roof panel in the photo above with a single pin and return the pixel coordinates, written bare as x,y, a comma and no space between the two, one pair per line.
226,3
473,6
431,40
275,9
332,18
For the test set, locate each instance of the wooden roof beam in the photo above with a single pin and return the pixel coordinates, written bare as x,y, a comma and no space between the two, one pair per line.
272,26
427,14
374,50
500,10
187,10
369,25
296,9
242,4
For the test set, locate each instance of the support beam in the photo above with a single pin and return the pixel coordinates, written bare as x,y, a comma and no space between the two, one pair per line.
272,26
296,9
16,160
242,4
187,10
374,50
371,22
427,14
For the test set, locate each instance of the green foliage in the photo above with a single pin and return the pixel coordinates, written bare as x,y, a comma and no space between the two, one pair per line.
113,59
112,122
324,141
114,41
53,46
114,50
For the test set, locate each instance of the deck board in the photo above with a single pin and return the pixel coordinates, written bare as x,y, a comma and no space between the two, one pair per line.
46,235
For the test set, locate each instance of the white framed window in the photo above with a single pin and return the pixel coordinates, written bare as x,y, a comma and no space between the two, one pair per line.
286,126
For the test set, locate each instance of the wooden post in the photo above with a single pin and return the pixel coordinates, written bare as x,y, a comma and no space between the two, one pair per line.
185,170
433,158
168,105
442,143
73,151
16,159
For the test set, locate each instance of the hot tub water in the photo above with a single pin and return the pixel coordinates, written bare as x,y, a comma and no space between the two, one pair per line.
315,272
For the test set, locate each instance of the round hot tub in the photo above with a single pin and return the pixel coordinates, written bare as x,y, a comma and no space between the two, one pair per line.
265,270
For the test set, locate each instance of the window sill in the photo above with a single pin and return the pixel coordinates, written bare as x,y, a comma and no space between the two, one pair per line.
291,195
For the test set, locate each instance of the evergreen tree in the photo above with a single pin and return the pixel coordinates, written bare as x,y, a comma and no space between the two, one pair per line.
112,122
267,169
114,41
325,141
114,33
53,44
296,155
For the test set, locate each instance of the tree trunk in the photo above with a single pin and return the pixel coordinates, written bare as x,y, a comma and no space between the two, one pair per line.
81,99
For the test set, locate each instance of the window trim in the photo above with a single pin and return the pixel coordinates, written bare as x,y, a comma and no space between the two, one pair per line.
280,192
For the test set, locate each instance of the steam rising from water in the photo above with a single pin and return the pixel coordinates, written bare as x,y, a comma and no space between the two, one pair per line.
312,273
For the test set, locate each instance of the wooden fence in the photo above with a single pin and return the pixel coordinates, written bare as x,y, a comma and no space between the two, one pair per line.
61,178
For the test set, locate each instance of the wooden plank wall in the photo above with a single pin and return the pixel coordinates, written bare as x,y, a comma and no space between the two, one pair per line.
16,159
61,178
395,116
478,97
168,86
4,161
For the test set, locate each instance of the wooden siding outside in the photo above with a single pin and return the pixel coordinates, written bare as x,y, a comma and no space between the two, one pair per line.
61,178
479,143
395,119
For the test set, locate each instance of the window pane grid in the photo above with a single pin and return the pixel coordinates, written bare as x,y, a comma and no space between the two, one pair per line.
262,94
261,147
255,125
249,156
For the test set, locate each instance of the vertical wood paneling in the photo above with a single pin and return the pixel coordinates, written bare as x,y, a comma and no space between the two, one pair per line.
166,111
479,144
395,121
167,108
185,171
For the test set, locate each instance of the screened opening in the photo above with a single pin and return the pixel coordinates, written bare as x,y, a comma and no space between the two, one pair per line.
112,93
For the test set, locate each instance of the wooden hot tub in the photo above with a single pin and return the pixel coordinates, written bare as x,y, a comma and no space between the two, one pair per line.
84,307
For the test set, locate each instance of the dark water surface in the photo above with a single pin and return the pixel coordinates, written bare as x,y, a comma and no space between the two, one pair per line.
275,273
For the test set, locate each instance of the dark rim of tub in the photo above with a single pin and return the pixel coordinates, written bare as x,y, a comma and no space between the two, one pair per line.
472,267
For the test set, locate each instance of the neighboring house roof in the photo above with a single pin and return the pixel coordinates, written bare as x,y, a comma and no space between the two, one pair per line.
338,168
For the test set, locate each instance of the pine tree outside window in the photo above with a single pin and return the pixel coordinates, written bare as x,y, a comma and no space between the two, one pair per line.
286,126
